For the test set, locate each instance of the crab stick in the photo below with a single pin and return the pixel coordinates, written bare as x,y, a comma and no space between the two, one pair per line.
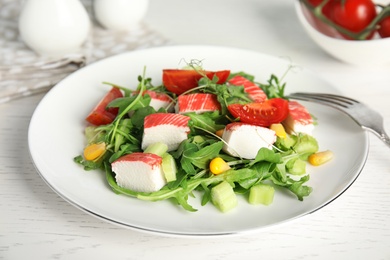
245,140
253,90
167,128
197,102
141,172
299,119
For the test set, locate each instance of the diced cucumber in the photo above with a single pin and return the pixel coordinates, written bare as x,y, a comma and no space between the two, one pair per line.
288,141
261,194
296,166
169,167
223,196
92,136
157,148
89,133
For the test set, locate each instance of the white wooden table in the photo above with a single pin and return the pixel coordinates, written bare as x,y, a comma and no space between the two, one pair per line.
35,223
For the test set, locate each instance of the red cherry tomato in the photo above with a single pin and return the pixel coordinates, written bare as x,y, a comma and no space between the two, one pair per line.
101,115
354,15
384,27
271,111
179,81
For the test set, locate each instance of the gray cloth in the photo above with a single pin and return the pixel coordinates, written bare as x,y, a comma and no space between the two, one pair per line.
23,72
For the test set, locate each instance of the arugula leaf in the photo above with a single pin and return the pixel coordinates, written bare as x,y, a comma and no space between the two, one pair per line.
137,119
299,189
124,102
207,121
274,88
265,154
202,157
186,161
262,170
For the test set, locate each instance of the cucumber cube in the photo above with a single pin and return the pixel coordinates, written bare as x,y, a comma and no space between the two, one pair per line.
169,167
157,148
261,194
223,196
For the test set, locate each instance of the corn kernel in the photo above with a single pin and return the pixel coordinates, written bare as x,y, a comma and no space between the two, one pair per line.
320,158
218,165
219,132
94,151
279,130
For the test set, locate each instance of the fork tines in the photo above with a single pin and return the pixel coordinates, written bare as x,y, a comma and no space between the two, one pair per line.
324,98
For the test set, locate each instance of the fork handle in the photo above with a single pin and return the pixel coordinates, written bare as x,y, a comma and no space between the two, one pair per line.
385,138
382,135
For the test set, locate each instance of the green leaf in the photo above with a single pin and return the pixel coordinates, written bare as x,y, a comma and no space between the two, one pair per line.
186,160
139,115
274,89
123,150
206,194
262,171
299,189
207,121
265,154
202,158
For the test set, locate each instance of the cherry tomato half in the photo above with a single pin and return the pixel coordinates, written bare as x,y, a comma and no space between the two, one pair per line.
271,111
101,115
384,27
179,81
354,15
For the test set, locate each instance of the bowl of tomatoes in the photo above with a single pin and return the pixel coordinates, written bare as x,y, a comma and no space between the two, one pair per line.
354,31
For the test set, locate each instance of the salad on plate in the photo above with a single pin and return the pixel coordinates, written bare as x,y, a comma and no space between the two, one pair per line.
214,135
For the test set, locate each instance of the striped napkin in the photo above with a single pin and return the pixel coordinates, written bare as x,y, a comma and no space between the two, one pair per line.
23,72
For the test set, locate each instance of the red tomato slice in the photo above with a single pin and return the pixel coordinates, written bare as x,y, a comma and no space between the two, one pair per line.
271,111
101,115
179,81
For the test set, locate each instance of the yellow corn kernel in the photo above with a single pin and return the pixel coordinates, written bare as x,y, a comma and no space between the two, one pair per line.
94,151
319,158
279,130
220,132
218,165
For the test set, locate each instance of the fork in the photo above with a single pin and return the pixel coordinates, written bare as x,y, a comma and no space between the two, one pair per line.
363,115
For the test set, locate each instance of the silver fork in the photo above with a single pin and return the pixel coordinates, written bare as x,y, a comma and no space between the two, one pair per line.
367,118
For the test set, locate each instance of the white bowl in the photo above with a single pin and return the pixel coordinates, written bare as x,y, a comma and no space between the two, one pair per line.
374,52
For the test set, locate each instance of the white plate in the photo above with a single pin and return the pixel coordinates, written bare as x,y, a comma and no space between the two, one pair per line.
56,137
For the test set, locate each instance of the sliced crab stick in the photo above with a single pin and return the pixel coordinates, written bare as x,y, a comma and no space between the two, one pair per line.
253,90
198,103
245,140
299,119
141,172
167,128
